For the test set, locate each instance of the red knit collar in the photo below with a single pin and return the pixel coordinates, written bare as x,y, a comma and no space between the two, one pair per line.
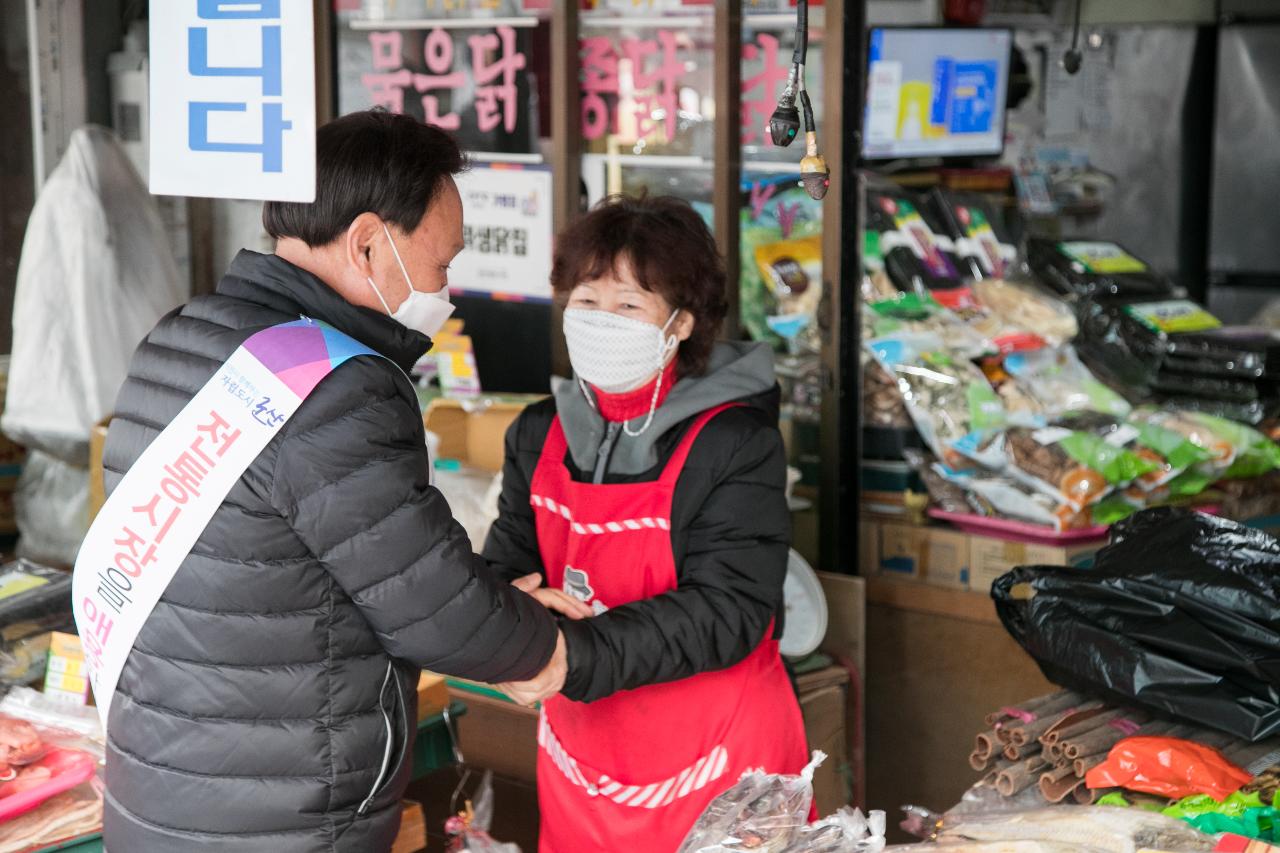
620,408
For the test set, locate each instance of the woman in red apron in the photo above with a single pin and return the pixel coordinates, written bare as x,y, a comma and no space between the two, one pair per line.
649,493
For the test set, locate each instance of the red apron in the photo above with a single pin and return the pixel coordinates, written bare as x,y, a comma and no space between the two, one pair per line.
635,770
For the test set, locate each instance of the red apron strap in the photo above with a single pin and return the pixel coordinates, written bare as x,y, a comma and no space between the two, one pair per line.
555,446
671,474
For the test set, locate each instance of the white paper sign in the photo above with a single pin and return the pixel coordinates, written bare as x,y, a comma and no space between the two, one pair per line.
508,232
233,104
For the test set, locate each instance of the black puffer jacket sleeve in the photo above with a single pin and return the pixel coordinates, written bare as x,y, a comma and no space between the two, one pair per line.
730,536
353,483
512,545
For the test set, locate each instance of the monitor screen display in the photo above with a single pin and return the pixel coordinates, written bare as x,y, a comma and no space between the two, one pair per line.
935,92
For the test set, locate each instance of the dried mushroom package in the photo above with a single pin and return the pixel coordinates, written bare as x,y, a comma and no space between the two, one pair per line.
947,397
882,404
1080,458
1232,450
1060,383
993,494
915,314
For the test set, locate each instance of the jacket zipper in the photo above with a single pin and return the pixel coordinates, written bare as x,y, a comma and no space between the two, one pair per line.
386,752
605,451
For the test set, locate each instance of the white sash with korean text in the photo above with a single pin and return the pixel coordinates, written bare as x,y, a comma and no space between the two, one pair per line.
163,503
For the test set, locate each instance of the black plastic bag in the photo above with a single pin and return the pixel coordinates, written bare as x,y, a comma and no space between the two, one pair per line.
1179,614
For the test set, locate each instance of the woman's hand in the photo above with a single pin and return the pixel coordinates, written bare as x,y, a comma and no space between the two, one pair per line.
547,683
553,599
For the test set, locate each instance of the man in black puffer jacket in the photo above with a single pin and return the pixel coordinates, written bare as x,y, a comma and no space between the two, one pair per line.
269,701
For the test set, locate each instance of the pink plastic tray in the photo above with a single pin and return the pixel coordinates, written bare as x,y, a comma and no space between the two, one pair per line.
70,767
1018,531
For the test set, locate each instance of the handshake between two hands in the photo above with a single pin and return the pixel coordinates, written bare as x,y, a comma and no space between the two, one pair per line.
548,682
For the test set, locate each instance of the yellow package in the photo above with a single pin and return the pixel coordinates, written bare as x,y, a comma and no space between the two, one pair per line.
792,274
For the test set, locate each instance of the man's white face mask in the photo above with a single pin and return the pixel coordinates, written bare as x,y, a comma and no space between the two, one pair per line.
423,312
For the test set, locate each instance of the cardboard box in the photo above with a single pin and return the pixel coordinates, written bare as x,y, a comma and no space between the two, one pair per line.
846,638
824,706
433,695
97,485
412,837
989,558
496,734
474,432
947,558
901,551
936,555
868,547
66,678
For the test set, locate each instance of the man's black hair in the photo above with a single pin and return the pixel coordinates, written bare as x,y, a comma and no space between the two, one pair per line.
369,162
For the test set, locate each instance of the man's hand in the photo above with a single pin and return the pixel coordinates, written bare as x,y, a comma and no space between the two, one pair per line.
553,599
546,684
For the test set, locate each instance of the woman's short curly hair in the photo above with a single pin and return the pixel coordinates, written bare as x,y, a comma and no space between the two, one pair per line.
669,250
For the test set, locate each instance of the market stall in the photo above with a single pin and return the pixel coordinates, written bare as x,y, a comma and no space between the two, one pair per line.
1162,736
1040,357
1012,419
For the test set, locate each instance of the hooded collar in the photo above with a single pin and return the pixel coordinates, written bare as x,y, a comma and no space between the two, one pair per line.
629,405
738,372
273,282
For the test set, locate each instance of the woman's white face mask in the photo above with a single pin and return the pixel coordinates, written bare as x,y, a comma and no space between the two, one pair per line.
618,354
614,353
423,312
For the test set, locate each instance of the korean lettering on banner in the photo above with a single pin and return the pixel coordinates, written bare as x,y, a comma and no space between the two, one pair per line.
236,78
656,70
760,91
495,59
137,541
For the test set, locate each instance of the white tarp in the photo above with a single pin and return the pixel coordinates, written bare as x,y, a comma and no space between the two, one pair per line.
96,275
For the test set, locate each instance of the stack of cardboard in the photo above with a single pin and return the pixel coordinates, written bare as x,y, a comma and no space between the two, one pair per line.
946,557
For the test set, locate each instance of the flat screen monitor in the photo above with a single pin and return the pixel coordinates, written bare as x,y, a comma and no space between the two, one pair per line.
936,92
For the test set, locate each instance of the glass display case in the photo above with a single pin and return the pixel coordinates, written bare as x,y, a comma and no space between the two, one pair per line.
647,114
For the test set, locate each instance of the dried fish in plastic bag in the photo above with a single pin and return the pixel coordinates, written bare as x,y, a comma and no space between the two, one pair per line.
1105,829
762,812
846,831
